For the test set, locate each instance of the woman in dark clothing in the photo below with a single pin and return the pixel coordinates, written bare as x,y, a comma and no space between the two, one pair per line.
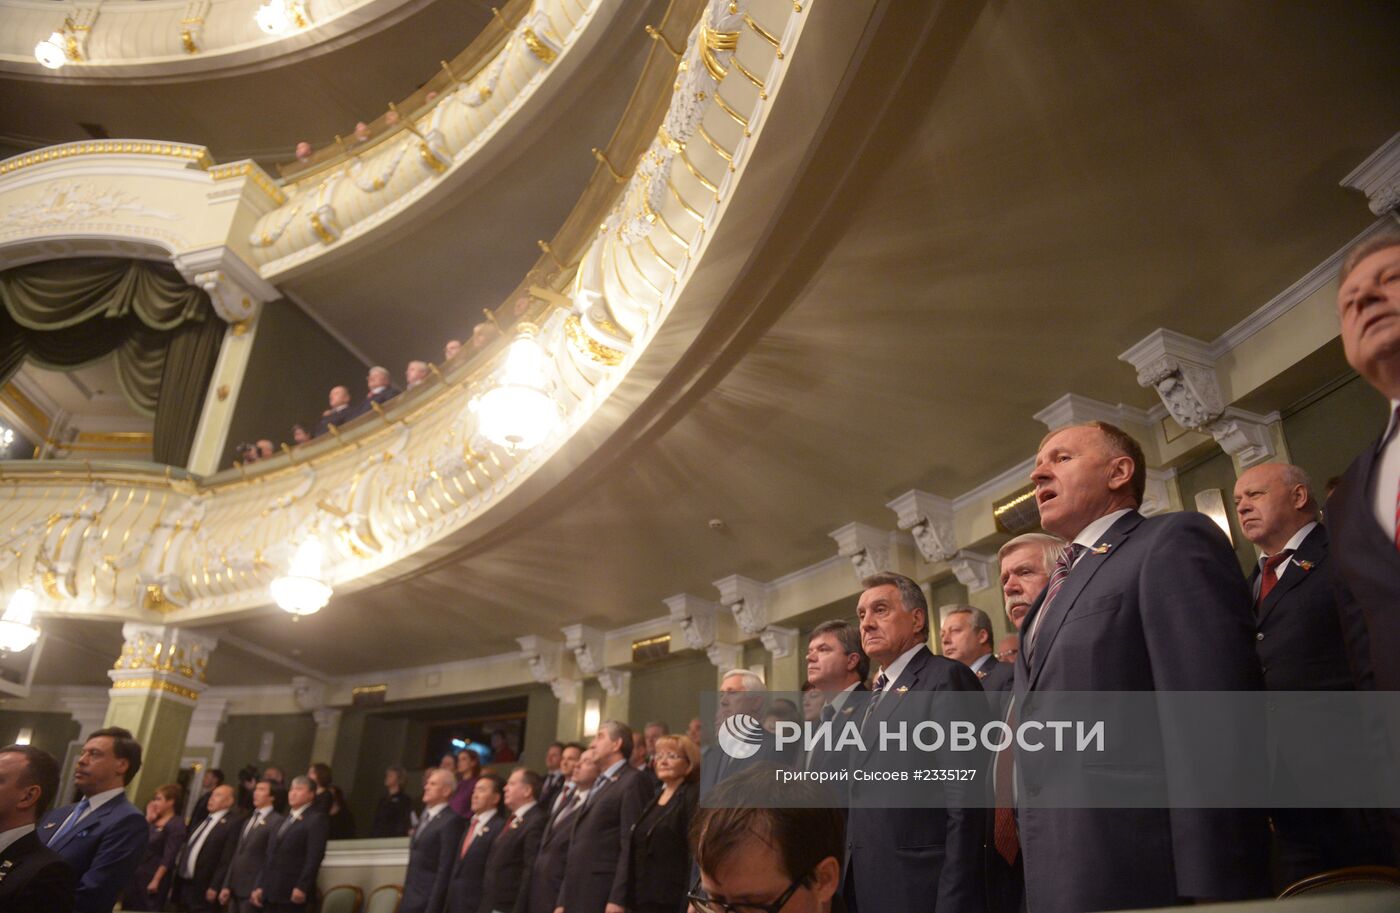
150,886
393,816
342,821
656,854
320,774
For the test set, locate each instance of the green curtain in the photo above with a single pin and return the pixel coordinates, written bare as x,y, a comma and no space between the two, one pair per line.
162,333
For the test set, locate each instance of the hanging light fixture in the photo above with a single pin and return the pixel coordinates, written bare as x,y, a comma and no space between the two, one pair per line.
302,591
518,412
17,630
273,17
50,52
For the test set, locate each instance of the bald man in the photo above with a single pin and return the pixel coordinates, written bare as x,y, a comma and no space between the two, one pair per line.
1301,648
337,413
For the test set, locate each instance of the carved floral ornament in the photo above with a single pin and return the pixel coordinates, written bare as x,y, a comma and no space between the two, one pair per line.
147,546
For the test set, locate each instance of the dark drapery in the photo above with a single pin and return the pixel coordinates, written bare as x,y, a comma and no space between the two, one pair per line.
64,314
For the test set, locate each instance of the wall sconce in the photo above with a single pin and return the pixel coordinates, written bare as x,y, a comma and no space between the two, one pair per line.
1211,502
26,734
302,591
592,716
17,629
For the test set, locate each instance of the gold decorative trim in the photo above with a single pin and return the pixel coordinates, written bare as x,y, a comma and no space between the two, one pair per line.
585,343
38,419
187,39
320,229
260,178
712,41
750,76
537,47
714,144
196,154
695,173
724,106
431,159
155,684
657,36
766,35
602,157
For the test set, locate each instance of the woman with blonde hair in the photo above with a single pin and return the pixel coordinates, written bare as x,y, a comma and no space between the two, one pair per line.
656,853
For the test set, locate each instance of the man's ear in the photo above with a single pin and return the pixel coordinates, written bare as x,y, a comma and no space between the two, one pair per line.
1120,472
826,877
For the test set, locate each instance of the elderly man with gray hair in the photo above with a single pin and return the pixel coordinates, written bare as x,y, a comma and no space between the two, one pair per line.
380,389
1026,563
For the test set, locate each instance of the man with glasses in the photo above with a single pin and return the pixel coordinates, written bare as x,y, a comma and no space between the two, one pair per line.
767,860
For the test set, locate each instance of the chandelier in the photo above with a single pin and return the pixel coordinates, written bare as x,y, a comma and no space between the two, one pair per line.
302,591
278,16
518,412
50,52
17,629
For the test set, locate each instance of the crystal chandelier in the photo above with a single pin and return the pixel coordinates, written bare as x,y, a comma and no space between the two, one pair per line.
302,591
17,630
518,412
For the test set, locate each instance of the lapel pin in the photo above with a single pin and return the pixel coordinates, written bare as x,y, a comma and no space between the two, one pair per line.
902,689
1305,565
1102,548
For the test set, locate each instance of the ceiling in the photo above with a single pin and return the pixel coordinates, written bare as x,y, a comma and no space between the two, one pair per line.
1051,184
260,115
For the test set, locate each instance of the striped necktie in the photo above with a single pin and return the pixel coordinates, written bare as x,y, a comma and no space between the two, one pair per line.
1057,580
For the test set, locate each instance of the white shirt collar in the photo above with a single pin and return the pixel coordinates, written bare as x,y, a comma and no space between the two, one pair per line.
613,770
13,834
483,817
839,698
1394,420
221,813
102,798
986,659
1091,534
896,668
298,812
520,812
432,810
1298,537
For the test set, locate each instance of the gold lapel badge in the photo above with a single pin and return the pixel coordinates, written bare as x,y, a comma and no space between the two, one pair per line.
1305,565
1102,548
902,689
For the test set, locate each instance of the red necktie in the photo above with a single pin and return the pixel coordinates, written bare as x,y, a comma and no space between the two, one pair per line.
471,835
1269,578
1004,836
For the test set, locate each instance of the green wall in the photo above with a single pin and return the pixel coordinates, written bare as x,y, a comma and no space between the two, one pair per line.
292,737
293,365
1217,471
1325,435
670,691
51,731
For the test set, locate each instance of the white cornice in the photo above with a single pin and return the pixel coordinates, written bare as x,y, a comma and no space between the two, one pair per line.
1379,177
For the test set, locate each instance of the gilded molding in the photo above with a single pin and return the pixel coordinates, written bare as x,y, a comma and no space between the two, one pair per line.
196,154
155,684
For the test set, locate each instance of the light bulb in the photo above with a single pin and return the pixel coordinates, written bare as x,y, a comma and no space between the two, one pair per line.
50,52
17,630
302,591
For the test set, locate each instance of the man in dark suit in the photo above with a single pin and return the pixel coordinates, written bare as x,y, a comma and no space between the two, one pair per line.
1362,512
1136,604
202,865
562,758
1300,644
908,858
379,390
462,875
430,848
33,878
103,837
966,635
199,810
542,894
337,413
250,852
591,874
837,668
287,882
1025,562
512,856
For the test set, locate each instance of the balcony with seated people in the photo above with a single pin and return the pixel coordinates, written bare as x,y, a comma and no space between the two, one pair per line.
616,354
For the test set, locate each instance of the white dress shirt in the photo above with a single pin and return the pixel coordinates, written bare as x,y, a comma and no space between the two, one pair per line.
986,659
1386,476
520,812
1089,536
13,834
97,801
1292,545
205,828
896,668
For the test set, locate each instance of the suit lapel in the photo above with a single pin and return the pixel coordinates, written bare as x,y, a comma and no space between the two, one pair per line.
1079,576
889,702
1312,551
91,822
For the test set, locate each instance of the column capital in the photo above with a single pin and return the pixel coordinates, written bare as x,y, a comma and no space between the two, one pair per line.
566,690
1245,436
867,547
695,618
1379,178
586,643
973,570
326,717
725,656
614,681
235,288
542,655
747,599
161,658
930,520
1073,409
310,693
1182,372
781,642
